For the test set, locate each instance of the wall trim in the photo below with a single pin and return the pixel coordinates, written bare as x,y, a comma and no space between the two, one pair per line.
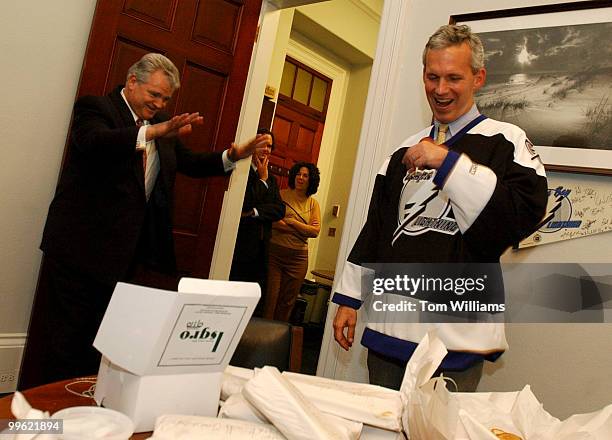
311,54
229,218
11,340
365,8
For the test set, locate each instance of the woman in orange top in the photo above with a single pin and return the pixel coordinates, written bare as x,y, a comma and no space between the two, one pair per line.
288,255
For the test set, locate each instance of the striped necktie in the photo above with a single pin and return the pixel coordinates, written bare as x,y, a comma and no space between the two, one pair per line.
150,163
442,130
140,123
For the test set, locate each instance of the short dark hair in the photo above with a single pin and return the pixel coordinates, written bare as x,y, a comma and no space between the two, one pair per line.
264,130
455,35
313,176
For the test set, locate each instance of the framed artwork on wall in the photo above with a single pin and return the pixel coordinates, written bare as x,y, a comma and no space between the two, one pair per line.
549,71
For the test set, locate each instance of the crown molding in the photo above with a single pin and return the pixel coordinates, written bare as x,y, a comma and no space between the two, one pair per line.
364,7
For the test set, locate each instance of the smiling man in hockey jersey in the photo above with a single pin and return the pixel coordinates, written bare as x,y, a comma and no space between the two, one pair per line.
468,196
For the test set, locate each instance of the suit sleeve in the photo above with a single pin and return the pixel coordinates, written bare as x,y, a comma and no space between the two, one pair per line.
198,164
96,133
266,200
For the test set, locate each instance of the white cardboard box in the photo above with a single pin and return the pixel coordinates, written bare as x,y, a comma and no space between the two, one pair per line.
165,352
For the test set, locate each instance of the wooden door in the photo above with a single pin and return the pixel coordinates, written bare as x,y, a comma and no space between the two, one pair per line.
297,138
300,117
211,42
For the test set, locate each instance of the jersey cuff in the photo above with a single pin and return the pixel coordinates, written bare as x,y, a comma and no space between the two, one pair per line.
344,300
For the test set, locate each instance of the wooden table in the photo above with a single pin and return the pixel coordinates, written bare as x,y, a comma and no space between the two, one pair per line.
325,277
55,396
325,280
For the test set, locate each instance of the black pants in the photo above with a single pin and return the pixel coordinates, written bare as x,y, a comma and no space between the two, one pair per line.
67,311
389,372
252,268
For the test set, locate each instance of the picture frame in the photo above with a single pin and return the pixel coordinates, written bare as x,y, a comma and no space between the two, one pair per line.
549,72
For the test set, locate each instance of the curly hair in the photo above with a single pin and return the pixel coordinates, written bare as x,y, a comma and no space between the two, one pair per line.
313,176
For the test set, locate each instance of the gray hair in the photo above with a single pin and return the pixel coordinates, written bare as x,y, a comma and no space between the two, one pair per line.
153,62
455,35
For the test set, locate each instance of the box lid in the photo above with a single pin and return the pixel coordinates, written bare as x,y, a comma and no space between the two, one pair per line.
150,331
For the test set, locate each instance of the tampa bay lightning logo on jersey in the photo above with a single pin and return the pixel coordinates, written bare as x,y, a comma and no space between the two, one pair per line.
423,208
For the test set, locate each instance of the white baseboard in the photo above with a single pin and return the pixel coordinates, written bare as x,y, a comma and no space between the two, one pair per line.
12,339
11,351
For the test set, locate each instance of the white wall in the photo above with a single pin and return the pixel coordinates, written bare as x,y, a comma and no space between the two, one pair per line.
354,21
42,45
341,174
562,362
566,374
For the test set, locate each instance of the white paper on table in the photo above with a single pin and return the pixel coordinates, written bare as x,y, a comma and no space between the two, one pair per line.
422,365
172,427
92,426
288,409
431,411
596,425
473,429
365,403
234,379
22,410
369,404
373,433
238,408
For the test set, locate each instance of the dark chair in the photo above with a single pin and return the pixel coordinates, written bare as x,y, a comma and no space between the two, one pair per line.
267,342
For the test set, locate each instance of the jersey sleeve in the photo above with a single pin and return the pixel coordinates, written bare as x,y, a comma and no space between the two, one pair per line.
503,201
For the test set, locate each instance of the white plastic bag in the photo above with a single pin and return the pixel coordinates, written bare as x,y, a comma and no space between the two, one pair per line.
432,412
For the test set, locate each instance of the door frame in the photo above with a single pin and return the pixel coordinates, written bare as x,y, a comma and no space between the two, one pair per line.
304,51
257,78
329,66
374,146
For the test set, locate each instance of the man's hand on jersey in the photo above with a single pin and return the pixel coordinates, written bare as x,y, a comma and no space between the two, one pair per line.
346,318
425,154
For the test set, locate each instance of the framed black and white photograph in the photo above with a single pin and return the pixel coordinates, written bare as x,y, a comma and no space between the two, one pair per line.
549,71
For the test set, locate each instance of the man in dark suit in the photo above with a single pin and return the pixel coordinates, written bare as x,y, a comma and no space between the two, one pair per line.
112,211
262,205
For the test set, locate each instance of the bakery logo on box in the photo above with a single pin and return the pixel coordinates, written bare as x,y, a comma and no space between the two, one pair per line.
197,332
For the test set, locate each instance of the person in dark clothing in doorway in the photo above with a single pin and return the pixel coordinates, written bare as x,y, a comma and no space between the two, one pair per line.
262,205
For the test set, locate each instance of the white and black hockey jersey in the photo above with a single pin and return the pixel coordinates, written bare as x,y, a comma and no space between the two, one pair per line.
489,193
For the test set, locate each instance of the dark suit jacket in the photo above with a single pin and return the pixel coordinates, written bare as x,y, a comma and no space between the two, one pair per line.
99,213
254,232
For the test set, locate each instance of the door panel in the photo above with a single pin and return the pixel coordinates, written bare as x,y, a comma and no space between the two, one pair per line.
297,137
159,13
